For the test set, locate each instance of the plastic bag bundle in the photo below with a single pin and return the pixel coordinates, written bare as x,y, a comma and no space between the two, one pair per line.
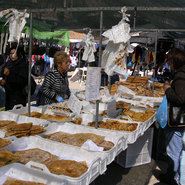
162,113
89,47
16,20
118,47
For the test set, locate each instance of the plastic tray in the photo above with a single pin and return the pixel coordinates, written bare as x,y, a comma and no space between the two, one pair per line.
96,161
117,138
19,109
131,136
5,115
23,172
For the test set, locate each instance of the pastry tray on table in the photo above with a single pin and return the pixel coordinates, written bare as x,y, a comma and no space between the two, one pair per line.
142,101
23,172
6,115
96,161
19,109
120,142
144,125
130,137
59,108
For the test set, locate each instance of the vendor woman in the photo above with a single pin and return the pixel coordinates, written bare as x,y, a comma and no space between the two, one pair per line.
55,87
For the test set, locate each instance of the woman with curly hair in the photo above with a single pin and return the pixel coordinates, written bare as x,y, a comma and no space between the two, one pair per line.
55,87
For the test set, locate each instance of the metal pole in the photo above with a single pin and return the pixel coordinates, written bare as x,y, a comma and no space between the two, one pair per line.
109,84
148,60
134,26
87,9
154,64
29,68
145,55
99,64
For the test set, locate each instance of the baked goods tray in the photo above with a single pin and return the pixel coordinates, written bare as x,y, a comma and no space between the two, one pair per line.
59,108
142,101
5,115
19,109
120,142
130,136
144,125
23,172
96,161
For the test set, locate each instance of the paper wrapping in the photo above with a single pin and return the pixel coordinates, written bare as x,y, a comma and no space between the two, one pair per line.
114,56
89,47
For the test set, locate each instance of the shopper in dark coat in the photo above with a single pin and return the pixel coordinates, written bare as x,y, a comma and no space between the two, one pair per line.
174,91
14,75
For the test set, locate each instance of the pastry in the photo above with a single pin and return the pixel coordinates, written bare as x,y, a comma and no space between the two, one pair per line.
58,136
7,157
80,138
4,142
13,181
115,125
107,145
67,167
35,154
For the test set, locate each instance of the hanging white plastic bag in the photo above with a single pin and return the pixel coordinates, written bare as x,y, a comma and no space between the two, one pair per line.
17,21
115,58
118,47
89,47
162,113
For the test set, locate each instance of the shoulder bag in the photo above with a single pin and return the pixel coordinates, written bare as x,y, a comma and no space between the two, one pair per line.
33,87
176,115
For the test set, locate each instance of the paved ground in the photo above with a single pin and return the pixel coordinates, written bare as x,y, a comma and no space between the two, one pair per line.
139,175
115,174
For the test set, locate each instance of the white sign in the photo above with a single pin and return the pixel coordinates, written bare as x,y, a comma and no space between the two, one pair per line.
93,83
74,104
111,109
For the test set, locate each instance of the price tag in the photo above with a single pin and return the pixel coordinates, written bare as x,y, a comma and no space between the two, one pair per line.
111,109
93,83
74,104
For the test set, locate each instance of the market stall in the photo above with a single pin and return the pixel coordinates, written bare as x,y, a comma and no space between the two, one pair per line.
94,166
59,134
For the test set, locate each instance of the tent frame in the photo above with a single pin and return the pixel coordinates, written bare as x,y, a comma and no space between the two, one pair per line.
101,9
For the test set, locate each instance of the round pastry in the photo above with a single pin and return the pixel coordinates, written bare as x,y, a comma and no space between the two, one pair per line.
67,167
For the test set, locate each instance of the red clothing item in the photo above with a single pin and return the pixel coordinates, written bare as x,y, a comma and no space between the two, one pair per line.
33,59
69,58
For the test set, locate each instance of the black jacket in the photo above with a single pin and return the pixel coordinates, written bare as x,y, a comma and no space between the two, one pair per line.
15,82
176,93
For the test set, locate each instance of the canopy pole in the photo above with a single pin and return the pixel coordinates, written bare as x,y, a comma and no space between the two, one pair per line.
135,10
109,84
154,64
29,68
99,64
145,55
